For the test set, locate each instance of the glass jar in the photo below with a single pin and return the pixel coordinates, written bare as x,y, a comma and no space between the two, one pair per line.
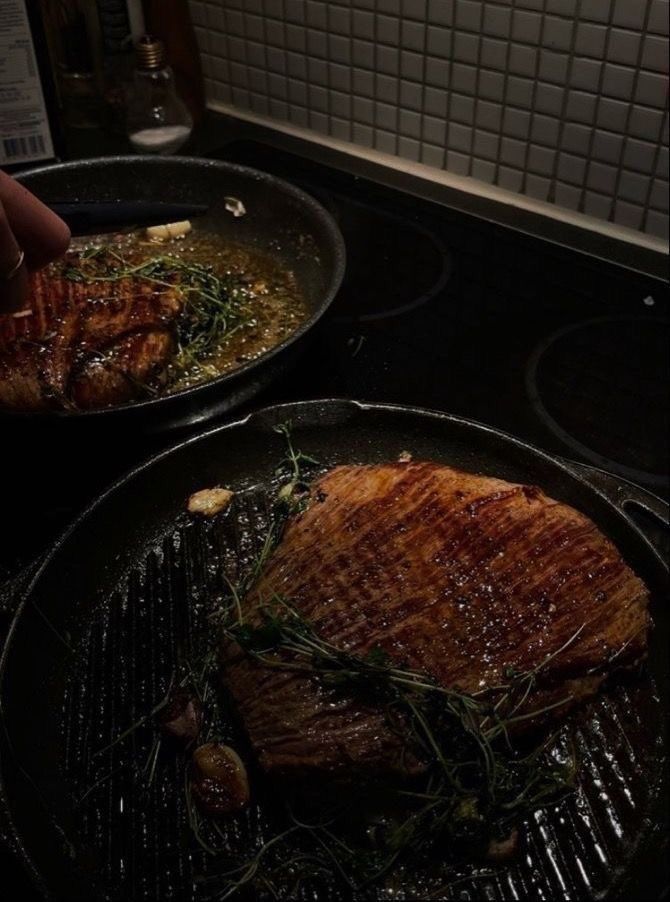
158,120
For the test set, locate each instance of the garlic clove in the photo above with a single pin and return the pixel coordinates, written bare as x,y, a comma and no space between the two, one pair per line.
209,502
219,781
169,230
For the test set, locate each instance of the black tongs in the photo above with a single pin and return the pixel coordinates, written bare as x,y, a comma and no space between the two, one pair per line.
93,217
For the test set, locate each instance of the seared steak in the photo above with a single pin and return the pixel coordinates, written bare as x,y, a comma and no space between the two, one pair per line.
121,369
85,344
454,575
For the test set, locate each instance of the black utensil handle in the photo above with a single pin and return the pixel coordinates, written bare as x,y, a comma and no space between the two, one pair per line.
631,499
83,216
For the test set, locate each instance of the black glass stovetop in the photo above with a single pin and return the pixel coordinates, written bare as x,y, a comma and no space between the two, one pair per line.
440,310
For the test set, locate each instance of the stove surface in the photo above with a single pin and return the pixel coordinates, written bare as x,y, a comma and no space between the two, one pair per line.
446,311
440,310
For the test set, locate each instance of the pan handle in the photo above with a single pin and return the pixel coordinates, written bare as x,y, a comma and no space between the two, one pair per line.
648,513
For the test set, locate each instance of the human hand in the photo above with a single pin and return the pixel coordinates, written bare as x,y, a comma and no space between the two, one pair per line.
30,237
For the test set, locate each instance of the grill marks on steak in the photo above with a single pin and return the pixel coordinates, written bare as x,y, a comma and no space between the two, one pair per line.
126,364
88,344
454,575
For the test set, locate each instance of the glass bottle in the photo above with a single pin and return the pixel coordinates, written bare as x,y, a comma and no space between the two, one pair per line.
158,120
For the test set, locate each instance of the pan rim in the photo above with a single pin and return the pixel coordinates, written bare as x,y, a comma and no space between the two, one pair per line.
10,833
152,404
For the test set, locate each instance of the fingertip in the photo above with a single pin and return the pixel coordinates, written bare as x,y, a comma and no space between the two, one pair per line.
41,234
52,242
61,236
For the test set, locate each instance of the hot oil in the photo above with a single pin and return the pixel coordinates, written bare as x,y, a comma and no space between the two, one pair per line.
272,310
271,306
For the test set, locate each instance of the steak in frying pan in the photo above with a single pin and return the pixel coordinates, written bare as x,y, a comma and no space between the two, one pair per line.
455,575
88,344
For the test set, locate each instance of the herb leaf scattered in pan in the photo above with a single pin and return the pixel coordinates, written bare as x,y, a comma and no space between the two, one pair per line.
214,304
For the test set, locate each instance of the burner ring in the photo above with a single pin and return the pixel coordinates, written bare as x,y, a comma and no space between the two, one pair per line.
389,258
578,374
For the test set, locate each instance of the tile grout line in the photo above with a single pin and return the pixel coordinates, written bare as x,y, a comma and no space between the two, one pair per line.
397,78
508,53
501,4
287,99
478,64
598,93
229,65
374,70
422,104
522,42
629,113
401,20
515,106
351,72
527,44
652,178
551,196
268,99
533,98
448,89
327,61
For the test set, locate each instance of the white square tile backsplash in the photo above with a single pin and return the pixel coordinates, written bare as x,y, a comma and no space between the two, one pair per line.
564,101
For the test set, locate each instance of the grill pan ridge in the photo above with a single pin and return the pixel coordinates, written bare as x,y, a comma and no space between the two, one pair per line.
126,595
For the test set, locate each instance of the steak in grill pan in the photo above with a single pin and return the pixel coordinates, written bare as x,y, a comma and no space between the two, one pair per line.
453,575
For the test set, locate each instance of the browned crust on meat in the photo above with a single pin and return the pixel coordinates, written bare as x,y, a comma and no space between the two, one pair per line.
70,327
454,575
114,377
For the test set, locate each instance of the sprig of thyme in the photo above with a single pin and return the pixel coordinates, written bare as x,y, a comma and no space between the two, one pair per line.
215,305
458,731
291,497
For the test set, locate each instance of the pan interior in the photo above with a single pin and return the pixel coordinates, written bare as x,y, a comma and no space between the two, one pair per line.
277,219
281,222
127,597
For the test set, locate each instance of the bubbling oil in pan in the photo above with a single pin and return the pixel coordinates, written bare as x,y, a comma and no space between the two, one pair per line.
275,306
270,308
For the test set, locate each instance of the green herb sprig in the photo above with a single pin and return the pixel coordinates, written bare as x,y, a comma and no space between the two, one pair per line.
292,496
215,305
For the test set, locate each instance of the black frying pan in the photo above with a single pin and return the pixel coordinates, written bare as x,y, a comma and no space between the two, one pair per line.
125,592
280,219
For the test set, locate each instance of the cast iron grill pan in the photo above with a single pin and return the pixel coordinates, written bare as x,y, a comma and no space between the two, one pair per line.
125,596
